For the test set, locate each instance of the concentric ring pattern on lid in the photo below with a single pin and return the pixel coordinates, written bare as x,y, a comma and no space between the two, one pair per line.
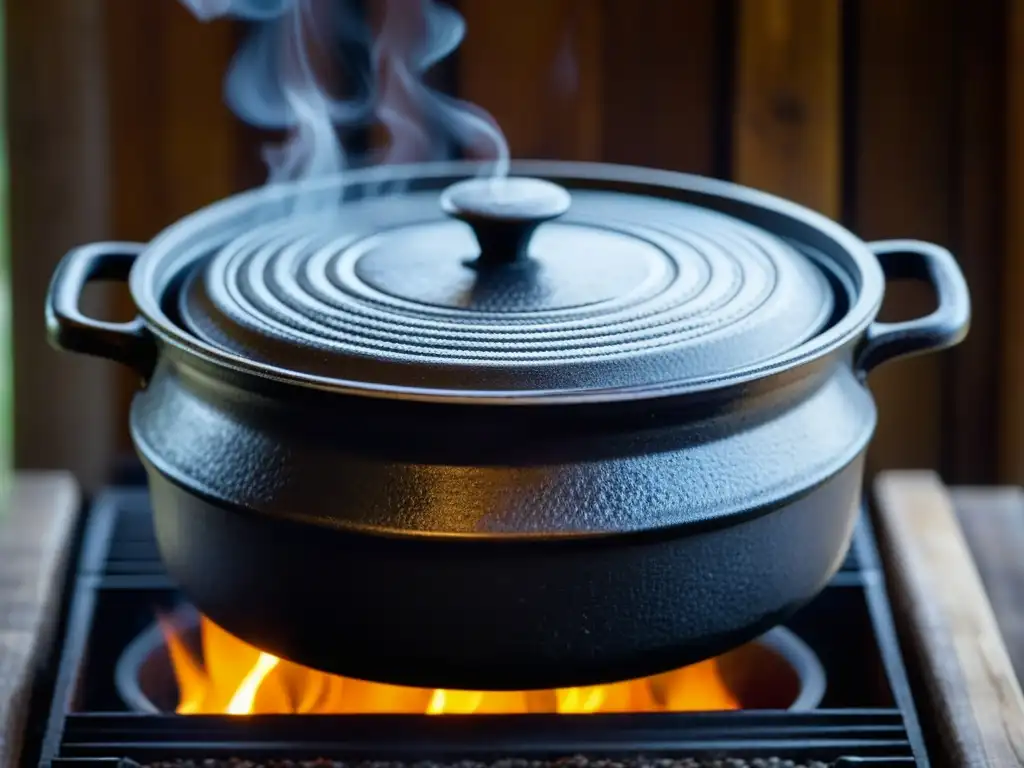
508,287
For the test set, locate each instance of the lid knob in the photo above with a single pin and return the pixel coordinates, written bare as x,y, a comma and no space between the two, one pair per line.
504,212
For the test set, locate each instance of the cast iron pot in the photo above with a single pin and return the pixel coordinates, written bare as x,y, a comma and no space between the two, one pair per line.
584,424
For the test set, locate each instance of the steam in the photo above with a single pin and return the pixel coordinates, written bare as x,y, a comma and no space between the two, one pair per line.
245,9
298,54
208,9
416,35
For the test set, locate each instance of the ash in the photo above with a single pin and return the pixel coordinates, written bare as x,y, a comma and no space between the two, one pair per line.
568,762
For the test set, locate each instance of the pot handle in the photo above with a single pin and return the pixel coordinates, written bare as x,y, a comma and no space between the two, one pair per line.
68,329
945,327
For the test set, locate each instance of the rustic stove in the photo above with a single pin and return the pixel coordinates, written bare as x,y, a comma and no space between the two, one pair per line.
116,691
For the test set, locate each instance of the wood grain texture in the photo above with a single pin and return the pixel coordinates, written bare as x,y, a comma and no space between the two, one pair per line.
173,140
59,172
786,129
198,131
972,410
35,539
992,520
663,84
971,695
135,108
1011,399
538,72
902,187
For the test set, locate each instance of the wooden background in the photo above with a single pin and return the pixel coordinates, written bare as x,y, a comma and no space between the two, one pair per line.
901,118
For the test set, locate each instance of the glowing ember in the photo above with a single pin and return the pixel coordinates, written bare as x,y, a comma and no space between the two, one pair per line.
235,678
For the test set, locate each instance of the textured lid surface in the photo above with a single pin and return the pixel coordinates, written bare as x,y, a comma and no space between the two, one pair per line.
507,286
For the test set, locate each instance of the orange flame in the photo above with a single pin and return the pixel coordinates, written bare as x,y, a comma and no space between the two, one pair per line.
236,678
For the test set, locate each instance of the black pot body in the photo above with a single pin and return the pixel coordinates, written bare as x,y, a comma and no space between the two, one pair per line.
247,493
501,615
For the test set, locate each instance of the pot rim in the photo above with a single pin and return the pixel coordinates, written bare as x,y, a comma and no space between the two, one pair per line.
147,290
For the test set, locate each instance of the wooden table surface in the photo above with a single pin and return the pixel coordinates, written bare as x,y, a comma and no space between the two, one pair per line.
37,523
992,520
954,567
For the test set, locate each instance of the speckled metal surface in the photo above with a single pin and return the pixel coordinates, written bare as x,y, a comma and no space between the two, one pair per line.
502,614
621,291
459,474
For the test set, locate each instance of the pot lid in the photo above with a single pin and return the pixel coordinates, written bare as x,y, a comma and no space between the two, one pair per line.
512,286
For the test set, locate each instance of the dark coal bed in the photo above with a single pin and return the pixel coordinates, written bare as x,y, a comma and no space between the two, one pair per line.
578,761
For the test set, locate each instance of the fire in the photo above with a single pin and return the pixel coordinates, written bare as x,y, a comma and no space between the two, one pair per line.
236,678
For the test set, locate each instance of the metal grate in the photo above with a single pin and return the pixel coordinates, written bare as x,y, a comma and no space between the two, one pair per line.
867,719
824,736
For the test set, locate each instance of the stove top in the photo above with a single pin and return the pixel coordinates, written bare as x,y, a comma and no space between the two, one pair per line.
866,715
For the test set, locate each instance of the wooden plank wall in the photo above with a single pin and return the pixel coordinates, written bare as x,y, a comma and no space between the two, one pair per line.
1011,401
903,119
59,197
175,145
979,214
787,118
900,187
